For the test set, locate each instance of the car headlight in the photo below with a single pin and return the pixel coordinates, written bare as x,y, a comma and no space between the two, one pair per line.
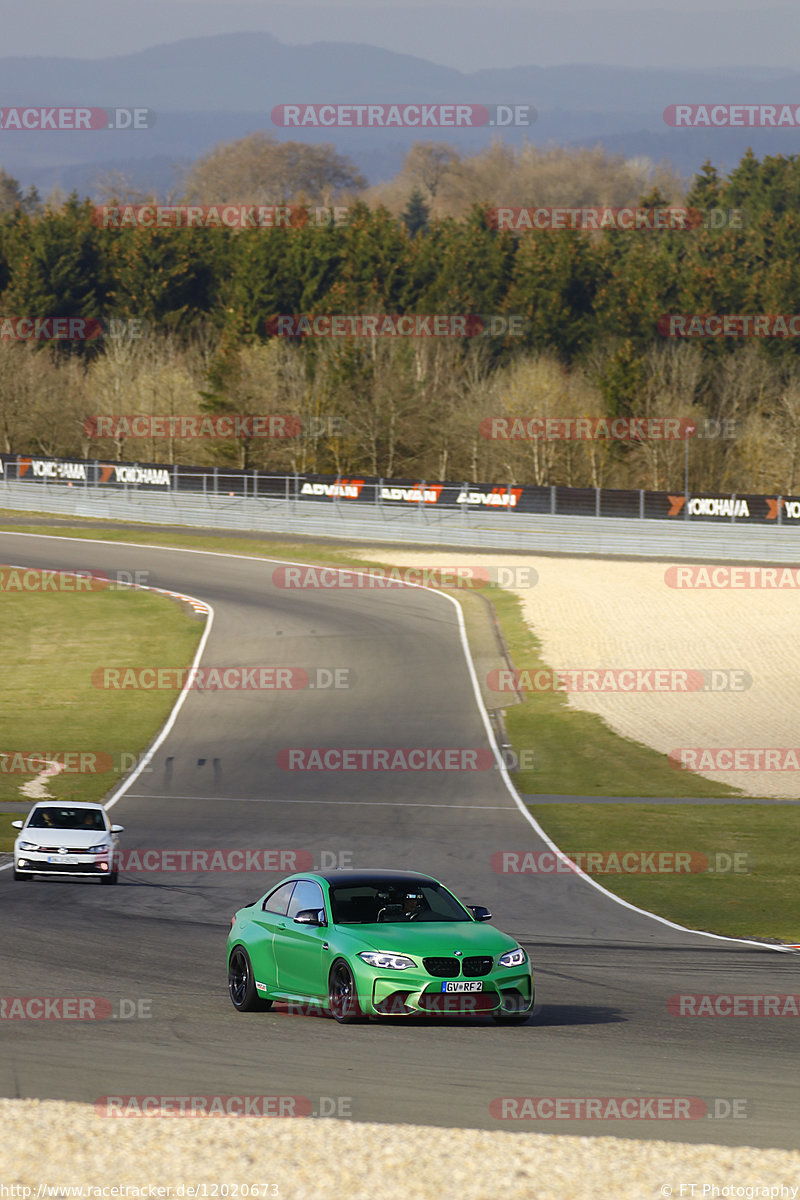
512,958
103,848
385,961
28,846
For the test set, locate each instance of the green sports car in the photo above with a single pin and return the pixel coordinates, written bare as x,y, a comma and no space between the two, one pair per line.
374,943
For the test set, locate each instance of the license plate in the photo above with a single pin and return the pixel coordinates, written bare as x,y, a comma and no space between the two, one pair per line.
60,858
463,985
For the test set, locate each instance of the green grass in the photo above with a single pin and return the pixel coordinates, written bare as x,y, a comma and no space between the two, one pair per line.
574,754
7,832
756,899
50,644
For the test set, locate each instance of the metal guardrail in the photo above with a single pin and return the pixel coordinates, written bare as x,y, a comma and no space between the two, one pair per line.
481,530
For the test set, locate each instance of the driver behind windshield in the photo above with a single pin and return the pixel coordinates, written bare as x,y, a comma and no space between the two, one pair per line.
414,904
404,907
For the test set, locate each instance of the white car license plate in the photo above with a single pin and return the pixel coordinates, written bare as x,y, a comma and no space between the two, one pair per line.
463,985
61,858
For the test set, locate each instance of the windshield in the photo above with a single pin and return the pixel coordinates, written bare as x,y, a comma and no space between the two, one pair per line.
379,901
67,818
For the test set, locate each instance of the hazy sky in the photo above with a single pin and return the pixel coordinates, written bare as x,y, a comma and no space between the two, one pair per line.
468,36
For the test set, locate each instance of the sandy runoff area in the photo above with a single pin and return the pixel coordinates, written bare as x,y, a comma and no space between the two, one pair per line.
609,626
60,1150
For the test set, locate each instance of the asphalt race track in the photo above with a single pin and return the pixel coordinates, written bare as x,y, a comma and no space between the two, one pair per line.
604,973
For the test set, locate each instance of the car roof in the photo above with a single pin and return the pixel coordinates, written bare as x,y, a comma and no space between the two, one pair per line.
353,878
67,804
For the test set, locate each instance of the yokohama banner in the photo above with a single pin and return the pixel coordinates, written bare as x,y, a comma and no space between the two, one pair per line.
411,494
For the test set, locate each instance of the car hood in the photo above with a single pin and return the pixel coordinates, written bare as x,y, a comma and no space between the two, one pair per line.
70,839
432,938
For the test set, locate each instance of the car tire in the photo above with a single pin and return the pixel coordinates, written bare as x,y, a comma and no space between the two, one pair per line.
112,877
20,875
343,1002
242,983
512,1016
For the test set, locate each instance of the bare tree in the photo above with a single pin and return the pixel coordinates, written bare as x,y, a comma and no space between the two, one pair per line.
258,169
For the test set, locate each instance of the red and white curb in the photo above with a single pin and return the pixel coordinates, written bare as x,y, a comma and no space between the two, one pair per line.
199,606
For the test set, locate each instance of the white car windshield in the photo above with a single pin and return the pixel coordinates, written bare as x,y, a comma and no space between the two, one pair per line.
57,817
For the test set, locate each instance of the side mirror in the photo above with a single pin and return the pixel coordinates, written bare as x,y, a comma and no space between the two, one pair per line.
18,824
117,828
309,916
479,912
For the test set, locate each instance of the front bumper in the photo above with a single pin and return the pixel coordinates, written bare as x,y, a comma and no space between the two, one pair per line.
33,862
419,993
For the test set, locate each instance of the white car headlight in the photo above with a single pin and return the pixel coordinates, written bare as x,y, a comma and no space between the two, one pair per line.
385,961
103,848
512,958
28,846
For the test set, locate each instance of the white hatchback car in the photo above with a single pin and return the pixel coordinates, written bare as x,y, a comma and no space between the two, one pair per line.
70,838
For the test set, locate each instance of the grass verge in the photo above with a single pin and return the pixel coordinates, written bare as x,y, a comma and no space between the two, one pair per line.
747,889
7,832
50,643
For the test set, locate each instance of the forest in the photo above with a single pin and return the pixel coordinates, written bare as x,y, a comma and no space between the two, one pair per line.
412,318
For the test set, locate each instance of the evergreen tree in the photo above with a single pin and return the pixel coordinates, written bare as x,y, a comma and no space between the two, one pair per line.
706,189
416,214
12,197
57,268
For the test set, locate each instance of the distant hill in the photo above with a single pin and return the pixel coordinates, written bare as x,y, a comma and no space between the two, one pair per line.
207,90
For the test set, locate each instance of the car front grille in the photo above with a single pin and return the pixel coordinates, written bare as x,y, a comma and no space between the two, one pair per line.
478,965
46,868
55,850
442,968
456,1004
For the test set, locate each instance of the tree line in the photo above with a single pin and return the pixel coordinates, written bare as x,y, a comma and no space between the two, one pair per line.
185,311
